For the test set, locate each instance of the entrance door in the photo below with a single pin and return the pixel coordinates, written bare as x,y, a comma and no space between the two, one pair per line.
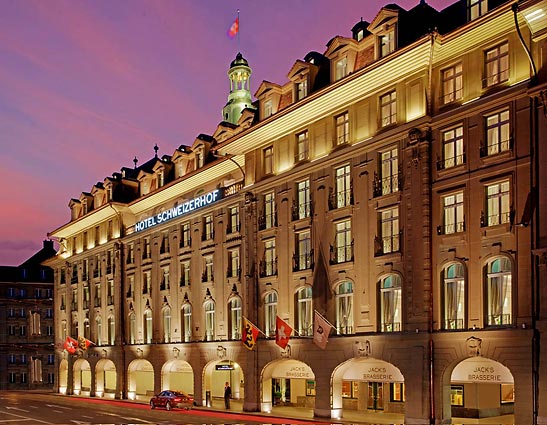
375,396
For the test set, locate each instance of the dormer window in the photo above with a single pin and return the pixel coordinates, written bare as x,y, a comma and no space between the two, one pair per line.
268,109
477,8
386,42
360,35
84,206
160,178
341,69
301,89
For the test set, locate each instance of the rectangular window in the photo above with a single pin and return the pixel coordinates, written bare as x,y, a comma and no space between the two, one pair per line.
343,244
303,200
477,8
498,207
343,196
301,89
185,273
387,42
388,181
146,253
164,285
388,109
35,323
302,147
233,220
270,259
267,158
208,230
341,69
397,391
350,389
208,273
452,148
497,133
12,376
164,249
453,221
233,263
268,110
389,230
452,84
146,282
496,64
342,129
110,292
185,239
303,257
269,210
456,395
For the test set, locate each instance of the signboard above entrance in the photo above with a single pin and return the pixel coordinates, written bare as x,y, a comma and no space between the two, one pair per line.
481,370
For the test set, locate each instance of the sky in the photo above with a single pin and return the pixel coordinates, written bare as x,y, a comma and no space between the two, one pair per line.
87,85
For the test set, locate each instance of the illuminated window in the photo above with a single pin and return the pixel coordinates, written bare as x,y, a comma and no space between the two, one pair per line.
397,391
234,323
233,220
233,263
498,134
302,209
456,395
186,325
388,109
343,195
496,64
341,69
388,241
166,315
269,210
111,328
498,207
342,128
388,179
185,239
453,282
208,229
390,303
303,255
452,83
350,389
344,308
185,273
267,158
499,291
453,154
453,218
387,42
304,312
477,8
268,109
148,327
208,275
301,89
269,264
270,313
302,147
210,320
343,243
507,393
132,327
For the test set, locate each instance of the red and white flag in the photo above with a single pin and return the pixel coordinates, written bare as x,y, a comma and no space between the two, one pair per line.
234,29
70,345
249,334
321,330
283,332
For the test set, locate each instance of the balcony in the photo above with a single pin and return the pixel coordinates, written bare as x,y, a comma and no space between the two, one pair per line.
267,221
496,219
301,211
233,273
496,147
391,327
302,261
452,324
386,185
341,199
448,229
445,163
268,268
387,244
341,254
500,320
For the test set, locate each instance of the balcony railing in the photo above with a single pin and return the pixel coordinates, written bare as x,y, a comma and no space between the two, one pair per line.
448,229
496,147
443,164
341,254
267,221
453,324
302,261
387,244
386,185
499,319
495,219
341,199
300,211
391,327
268,268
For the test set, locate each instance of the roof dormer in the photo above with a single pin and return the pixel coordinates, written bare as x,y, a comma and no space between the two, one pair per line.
86,200
75,209
180,160
341,52
269,96
299,75
99,194
384,28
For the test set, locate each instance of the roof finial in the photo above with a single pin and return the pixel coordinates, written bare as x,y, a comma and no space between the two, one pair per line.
156,149
135,161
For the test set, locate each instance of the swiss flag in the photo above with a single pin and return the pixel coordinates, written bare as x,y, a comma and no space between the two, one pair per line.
70,345
283,332
234,29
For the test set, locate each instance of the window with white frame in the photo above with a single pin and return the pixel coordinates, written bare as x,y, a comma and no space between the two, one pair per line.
303,257
388,109
496,65
164,249
185,235
166,316
111,324
343,243
208,270
209,320
498,203
453,154
301,89
267,160
270,313
389,172
208,229
452,83
233,263
390,303
186,322
87,329
341,68
498,134
386,42
304,311
148,327
303,200
344,308
269,210
453,291
453,217
302,146
234,325
342,129
342,186
233,220
146,282
270,258
499,291
268,108
477,8
389,230
185,273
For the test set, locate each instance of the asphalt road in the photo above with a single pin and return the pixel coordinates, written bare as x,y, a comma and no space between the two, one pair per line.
24,408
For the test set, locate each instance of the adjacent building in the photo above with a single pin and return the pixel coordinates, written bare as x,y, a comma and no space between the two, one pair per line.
27,356
392,185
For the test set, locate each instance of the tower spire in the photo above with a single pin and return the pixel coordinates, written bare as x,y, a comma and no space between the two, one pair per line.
239,97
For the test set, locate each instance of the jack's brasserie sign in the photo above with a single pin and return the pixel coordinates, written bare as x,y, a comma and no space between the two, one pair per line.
180,210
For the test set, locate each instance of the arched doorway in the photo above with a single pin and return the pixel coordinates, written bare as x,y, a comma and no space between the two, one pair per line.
105,379
287,382
480,388
177,375
367,384
81,383
140,376
215,374
63,376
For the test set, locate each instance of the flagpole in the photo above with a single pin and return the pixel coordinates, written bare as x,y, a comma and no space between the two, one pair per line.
323,317
238,31
257,328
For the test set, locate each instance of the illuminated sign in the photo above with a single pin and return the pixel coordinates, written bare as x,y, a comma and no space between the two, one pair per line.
224,367
182,209
479,369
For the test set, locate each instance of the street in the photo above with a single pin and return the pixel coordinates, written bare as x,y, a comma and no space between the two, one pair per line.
26,408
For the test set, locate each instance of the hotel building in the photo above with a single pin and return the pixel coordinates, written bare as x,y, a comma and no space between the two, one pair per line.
393,185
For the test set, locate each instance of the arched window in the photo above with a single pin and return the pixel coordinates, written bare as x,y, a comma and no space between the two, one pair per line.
344,308
111,330
148,327
132,327
166,316
499,291
390,303
209,320
270,313
99,330
186,322
234,324
304,311
453,293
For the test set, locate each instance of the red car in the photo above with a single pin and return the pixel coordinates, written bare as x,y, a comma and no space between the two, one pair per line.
170,399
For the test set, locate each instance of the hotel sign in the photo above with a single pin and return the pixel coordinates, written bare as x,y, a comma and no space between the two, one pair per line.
180,210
